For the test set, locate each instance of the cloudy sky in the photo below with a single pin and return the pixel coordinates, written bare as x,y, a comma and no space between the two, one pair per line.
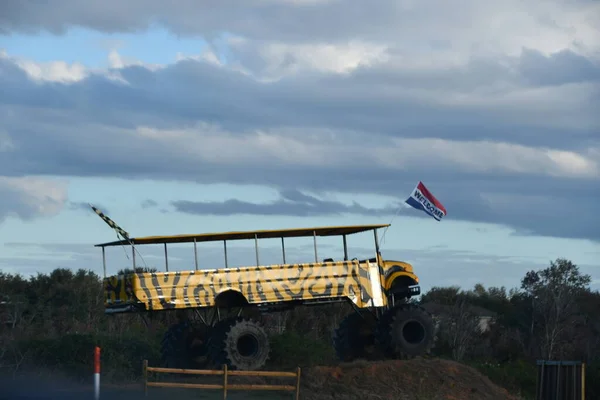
212,116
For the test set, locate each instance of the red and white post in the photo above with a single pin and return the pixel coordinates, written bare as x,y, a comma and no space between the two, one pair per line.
97,373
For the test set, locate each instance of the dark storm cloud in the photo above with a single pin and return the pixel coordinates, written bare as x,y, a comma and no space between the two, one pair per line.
295,20
190,91
261,19
292,202
87,129
542,206
558,69
526,206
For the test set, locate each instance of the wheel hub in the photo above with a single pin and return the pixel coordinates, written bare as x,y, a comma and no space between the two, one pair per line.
247,345
413,332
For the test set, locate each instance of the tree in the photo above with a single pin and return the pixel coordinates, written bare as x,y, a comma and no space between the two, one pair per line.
553,293
138,270
442,295
587,347
459,328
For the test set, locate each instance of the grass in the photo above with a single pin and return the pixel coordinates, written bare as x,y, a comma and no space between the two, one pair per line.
196,394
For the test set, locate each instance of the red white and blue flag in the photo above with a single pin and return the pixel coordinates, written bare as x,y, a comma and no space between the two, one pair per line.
422,199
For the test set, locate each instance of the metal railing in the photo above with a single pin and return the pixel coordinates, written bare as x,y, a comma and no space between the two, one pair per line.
564,380
225,386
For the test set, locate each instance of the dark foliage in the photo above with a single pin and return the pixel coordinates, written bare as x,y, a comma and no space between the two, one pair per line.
51,322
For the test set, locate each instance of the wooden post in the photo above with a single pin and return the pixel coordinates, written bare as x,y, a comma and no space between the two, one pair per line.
298,384
583,381
290,388
145,372
224,381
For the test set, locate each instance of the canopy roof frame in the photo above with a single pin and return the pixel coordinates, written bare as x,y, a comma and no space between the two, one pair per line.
243,235
247,235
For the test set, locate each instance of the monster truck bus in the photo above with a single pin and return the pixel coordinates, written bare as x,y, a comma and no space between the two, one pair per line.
229,300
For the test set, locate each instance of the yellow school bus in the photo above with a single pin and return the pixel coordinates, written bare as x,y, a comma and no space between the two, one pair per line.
375,287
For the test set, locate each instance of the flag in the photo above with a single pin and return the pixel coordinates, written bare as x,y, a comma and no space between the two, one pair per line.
422,199
111,223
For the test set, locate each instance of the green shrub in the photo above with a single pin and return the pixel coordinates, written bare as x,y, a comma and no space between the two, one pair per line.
121,358
592,380
291,349
518,377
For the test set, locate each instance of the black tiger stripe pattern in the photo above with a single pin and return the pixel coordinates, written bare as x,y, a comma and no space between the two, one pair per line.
258,284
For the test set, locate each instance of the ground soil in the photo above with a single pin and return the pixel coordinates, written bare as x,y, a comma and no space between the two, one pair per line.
418,379
423,379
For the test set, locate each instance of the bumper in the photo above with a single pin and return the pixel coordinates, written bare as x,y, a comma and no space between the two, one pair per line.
123,308
406,291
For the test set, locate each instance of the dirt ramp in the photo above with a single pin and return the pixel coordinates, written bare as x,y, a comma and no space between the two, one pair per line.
399,380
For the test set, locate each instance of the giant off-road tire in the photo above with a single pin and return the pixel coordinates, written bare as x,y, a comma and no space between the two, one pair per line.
240,343
215,352
355,338
183,346
406,331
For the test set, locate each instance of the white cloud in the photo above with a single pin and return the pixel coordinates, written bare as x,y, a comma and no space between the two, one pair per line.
209,143
272,39
472,26
63,72
574,164
481,98
31,197
54,71
486,156
117,61
295,2
6,143
279,58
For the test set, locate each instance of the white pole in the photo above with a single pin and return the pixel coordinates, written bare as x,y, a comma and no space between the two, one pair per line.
97,373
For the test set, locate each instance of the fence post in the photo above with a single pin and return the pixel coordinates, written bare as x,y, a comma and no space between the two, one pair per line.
556,377
145,374
224,381
540,383
96,372
225,385
582,381
298,383
558,367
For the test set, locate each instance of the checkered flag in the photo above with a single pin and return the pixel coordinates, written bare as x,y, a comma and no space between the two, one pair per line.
111,223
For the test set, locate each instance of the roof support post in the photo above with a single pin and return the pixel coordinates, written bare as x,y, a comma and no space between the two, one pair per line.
256,249
376,241
315,245
283,248
104,260
133,255
225,248
345,248
196,254
166,258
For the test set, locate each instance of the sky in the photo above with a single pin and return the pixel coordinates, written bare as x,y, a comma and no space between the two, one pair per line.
262,114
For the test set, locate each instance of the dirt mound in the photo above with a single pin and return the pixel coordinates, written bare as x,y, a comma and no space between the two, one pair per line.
398,380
